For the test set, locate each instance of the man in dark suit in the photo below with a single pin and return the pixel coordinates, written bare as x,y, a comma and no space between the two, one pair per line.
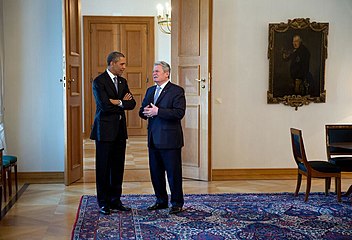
299,66
109,131
164,106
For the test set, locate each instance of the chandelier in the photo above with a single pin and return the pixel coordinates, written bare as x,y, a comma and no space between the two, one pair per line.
164,18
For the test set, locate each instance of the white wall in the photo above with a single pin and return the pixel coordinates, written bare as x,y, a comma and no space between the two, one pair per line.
132,8
252,133
33,96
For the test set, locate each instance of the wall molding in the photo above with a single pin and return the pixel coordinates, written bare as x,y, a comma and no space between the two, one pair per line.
260,174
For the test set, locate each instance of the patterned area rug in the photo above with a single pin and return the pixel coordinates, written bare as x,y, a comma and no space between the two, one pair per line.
221,216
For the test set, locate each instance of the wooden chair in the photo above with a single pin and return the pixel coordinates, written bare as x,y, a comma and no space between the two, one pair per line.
6,176
313,169
12,162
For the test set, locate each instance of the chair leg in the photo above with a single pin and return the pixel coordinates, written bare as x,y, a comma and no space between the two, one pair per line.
327,185
349,191
16,181
298,186
0,199
4,182
338,188
9,178
309,182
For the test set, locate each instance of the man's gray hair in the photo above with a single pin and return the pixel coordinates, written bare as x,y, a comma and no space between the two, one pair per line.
164,65
114,57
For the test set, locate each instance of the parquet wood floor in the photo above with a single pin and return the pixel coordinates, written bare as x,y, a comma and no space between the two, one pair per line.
48,211
136,154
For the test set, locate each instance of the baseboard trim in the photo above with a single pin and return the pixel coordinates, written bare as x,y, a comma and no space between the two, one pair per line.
41,177
259,174
217,175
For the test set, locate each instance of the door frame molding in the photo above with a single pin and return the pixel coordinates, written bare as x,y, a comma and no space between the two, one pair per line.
73,169
204,168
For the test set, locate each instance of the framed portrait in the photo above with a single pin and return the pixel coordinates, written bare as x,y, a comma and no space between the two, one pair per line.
297,52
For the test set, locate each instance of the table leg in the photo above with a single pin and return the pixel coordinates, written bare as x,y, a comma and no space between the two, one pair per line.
349,191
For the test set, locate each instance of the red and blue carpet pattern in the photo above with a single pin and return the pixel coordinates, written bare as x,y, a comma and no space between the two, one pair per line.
221,216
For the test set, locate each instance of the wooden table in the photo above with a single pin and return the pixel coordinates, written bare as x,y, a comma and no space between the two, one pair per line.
345,145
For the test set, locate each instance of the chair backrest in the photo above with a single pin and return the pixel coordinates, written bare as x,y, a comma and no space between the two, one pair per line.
298,150
337,134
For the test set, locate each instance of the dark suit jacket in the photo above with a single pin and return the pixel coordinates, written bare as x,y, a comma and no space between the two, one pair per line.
110,119
164,130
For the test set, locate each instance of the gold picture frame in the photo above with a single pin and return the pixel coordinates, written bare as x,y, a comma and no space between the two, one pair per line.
297,52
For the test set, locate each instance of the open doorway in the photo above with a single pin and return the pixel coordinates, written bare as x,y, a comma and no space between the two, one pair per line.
133,36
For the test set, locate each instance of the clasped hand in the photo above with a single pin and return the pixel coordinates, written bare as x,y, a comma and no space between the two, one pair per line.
151,110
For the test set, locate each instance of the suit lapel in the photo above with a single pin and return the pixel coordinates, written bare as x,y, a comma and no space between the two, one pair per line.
109,82
163,92
120,86
151,95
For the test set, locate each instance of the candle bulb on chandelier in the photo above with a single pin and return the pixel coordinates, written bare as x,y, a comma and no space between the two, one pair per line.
168,10
160,9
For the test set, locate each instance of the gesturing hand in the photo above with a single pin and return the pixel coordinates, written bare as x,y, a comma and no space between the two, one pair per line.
150,110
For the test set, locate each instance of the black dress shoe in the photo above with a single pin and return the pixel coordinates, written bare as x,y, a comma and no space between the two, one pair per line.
121,208
104,210
157,206
175,210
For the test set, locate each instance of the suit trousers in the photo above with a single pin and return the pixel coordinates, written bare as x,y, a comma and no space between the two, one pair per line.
110,164
169,161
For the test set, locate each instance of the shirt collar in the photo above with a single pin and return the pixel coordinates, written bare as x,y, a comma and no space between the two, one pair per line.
112,76
164,84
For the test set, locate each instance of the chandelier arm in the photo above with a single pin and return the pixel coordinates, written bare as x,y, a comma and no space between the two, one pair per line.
164,22
164,25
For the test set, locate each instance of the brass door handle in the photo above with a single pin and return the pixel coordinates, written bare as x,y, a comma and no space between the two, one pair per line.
200,80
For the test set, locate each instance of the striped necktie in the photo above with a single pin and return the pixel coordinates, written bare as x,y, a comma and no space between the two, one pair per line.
157,93
116,84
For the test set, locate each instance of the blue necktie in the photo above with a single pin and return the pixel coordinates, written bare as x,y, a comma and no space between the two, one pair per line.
157,93
116,86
